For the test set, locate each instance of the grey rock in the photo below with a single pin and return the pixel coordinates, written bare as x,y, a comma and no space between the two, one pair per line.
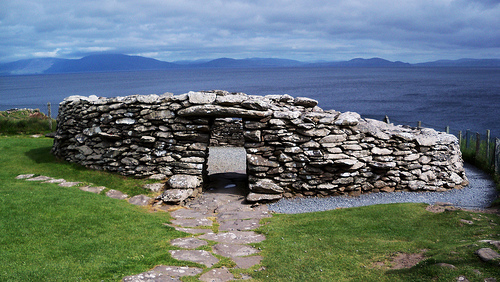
265,186
164,273
256,197
235,237
487,254
202,257
39,178
155,187
183,181
201,97
217,274
188,243
247,262
305,102
193,222
25,176
176,195
140,200
115,194
232,250
95,190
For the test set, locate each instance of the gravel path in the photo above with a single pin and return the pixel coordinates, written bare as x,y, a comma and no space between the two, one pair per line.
478,195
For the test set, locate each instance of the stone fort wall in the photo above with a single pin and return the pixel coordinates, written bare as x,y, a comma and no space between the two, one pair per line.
293,146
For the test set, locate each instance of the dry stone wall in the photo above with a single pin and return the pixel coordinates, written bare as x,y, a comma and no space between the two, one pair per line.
293,147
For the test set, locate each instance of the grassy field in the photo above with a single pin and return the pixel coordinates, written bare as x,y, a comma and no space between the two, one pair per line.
51,233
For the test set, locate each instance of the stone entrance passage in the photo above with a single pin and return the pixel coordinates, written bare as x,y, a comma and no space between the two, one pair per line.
292,146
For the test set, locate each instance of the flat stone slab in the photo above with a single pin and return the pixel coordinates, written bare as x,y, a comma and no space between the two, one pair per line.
487,254
231,250
60,180
68,184
140,200
239,225
193,222
185,213
235,237
202,257
39,178
25,176
246,262
191,230
155,187
217,274
115,194
91,189
242,215
164,273
188,243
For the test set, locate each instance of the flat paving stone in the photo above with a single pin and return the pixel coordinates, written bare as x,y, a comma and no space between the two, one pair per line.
232,250
155,187
25,176
115,194
188,243
235,237
202,257
95,190
68,184
239,225
39,178
246,262
185,213
140,200
191,230
217,274
60,180
193,222
242,215
164,273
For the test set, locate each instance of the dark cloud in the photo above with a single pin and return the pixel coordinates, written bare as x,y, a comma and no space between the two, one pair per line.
301,29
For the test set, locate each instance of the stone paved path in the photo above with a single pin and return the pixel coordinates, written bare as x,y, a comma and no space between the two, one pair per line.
223,204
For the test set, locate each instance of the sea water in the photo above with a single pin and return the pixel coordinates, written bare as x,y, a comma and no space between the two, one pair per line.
462,98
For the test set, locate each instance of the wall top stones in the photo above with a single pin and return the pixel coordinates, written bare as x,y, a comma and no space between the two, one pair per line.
293,146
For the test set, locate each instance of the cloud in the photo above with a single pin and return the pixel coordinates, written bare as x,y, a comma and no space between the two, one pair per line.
300,29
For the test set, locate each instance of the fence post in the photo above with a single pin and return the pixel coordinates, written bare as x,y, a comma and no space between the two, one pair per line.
49,112
460,138
488,135
419,124
478,144
386,119
467,138
497,155
447,130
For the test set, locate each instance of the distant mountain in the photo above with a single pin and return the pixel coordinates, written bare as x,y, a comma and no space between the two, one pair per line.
362,63
119,62
462,63
250,63
30,66
108,62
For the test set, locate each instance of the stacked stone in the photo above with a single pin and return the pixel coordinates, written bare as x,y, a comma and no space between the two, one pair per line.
227,132
293,147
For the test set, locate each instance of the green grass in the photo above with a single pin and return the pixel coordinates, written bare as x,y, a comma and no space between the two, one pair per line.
345,244
25,122
51,233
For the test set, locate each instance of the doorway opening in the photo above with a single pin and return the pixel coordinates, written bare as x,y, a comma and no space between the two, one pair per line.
226,164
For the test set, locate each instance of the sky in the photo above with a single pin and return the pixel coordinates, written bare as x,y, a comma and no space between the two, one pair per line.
307,30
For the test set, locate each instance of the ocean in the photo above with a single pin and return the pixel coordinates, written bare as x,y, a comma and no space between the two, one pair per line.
462,98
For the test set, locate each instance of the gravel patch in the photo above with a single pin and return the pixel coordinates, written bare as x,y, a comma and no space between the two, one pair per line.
478,195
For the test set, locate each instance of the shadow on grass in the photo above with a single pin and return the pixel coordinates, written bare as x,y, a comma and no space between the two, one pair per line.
43,155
